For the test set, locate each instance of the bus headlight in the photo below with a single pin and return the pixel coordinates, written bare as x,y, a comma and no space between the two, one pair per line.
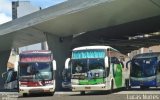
23,85
74,82
49,82
96,74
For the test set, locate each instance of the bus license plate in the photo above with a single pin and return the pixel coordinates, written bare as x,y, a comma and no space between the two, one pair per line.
87,87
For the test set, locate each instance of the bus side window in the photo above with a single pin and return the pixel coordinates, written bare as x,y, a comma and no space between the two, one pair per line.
9,75
115,60
14,76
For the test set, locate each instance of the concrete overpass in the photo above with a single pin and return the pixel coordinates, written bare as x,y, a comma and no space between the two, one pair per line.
108,22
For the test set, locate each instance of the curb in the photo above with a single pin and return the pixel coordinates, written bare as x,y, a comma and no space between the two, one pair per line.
56,93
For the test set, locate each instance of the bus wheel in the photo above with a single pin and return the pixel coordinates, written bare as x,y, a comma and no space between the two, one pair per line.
112,84
82,92
25,95
144,87
52,93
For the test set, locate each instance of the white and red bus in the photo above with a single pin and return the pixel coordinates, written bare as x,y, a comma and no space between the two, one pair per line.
36,71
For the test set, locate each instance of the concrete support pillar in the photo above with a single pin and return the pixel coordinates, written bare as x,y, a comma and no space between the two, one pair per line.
61,48
4,56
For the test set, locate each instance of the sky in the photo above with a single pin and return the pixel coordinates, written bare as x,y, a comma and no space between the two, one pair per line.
6,11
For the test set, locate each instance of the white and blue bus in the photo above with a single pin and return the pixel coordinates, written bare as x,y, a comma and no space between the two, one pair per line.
145,70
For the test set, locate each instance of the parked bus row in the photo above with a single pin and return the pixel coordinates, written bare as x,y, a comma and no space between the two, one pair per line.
90,68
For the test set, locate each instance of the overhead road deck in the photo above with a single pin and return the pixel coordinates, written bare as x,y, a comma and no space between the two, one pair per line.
119,36
78,16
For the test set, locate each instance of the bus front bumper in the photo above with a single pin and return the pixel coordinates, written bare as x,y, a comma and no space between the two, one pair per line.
151,82
30,90
89,87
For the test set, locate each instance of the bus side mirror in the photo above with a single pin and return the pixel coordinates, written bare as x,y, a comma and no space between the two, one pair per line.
106,62
128,63
16,63
54,65
67,63
4,75
122,64
16,66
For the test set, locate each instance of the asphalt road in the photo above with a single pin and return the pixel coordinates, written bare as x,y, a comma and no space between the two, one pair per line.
134,94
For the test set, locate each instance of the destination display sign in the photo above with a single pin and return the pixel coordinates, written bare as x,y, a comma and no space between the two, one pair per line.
36,59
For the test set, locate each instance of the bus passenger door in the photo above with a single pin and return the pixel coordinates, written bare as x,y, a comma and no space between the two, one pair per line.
158,74
117,72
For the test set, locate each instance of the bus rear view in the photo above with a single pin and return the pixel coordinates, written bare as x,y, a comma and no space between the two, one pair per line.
145,70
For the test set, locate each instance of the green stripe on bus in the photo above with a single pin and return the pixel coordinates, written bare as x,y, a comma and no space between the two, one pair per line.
91,81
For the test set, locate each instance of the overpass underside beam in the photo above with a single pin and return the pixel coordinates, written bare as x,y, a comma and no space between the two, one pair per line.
61,48
4,56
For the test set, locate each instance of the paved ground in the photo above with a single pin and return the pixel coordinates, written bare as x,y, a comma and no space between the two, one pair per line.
134,94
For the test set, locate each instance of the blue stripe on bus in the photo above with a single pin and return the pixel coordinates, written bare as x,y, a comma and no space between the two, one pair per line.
144,83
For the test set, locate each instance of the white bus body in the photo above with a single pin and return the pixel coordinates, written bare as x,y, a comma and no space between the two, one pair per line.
96,68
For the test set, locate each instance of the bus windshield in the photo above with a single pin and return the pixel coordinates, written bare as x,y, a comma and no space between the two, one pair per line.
35,71
144,67
96,64
79,66
85,65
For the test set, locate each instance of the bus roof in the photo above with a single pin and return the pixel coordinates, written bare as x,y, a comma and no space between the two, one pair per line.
93,47
147,55
36,51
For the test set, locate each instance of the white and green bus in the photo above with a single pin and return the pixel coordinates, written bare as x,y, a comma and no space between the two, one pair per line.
95,68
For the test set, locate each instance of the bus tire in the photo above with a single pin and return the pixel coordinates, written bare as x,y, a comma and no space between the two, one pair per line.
127,84
82,93
25,94
144,87
52,93
112,85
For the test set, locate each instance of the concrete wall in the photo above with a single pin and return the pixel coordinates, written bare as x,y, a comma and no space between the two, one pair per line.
20,9
154,48
31,47
4,56
145,50
61,48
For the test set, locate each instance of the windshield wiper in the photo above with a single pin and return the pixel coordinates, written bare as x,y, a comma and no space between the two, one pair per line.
40,77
